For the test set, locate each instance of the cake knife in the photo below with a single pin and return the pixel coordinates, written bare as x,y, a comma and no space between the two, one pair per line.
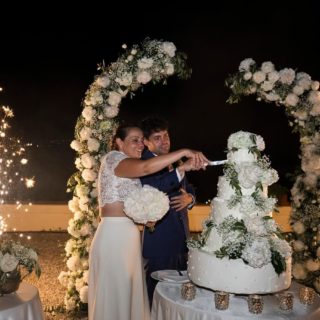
216,163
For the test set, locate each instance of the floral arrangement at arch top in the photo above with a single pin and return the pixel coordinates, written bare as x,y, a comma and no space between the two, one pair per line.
152,61
300,96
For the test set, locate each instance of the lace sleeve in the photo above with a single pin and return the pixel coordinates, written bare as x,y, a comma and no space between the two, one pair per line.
110,187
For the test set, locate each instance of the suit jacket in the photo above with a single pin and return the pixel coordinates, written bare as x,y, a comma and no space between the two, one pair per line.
171,232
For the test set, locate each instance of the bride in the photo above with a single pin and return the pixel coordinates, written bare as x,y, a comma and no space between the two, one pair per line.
117,289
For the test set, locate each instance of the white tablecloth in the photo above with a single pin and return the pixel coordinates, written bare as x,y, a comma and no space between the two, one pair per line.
24,304
168,305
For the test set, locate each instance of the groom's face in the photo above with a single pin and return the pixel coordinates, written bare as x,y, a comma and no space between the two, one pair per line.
158,142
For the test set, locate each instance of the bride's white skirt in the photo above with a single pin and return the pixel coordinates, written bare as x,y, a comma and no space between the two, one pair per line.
117,289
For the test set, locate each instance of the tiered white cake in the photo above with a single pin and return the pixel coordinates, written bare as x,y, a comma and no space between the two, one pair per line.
239,250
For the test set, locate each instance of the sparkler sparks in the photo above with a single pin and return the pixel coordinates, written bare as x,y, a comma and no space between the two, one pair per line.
12,158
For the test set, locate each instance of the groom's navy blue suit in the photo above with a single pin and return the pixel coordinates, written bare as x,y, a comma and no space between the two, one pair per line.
165,247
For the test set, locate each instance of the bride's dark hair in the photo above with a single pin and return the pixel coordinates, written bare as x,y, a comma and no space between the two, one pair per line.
122,132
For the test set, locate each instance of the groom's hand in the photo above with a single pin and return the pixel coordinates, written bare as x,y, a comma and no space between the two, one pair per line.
181,201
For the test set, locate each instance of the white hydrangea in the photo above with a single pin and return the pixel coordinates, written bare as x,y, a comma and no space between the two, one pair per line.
247,76
269,177
70,244
70,303
256,226
125,79
243,139
146,204
257,253
249,174
282,246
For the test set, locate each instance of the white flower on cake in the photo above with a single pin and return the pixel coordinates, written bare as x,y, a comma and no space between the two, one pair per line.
257,253
146,204
245,140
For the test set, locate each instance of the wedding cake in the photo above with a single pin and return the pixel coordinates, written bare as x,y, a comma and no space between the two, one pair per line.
240,249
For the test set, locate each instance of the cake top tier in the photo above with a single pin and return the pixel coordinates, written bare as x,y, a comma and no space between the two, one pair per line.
245,140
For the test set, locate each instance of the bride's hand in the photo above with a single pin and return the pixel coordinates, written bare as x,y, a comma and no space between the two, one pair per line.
199,160
150,224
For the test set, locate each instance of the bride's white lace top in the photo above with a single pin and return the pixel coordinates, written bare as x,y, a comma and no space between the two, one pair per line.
110,187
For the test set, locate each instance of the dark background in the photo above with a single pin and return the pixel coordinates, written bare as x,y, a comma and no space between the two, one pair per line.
45,74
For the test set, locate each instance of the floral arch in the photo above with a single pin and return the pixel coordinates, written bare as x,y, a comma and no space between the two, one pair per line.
300,96
151,61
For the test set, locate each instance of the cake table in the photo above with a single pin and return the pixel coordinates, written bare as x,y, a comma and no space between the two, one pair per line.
168,304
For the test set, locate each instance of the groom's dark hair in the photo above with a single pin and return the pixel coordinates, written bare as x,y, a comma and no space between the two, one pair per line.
153,124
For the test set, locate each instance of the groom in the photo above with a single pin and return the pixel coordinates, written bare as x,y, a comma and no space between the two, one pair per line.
165,247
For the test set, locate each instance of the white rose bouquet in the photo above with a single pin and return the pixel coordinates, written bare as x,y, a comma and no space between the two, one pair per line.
16,261
146,204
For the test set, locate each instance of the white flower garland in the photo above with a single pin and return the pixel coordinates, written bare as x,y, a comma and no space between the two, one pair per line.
154,61
300,96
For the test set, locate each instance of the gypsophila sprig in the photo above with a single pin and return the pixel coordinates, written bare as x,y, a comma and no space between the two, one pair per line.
152,61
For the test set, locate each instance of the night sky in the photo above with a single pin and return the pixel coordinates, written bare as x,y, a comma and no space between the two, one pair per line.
45,75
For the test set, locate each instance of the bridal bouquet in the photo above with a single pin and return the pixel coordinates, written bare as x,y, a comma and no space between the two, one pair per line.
146,204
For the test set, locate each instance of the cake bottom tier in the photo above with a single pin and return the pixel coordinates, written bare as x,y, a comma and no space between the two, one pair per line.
206,270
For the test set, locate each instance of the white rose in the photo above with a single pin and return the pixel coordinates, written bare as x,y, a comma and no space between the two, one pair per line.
247,76
292,99
63,278
273,76
74,263
315,111
125,79
144,77
8,263
246,64
88,113
298,90
145,63
287,75
75,145
69,246
89,175
259,77
267,67
85,230
169,68
267,85
111,111
88,161
84,294
169,48
314,97
103,81
93,144
312,265
114,98
81,190
73,204
315,85
85,133
78,215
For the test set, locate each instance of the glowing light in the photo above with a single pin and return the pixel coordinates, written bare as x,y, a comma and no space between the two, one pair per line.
24,161
30,182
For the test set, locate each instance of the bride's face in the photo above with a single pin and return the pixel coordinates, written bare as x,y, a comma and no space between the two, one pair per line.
132,145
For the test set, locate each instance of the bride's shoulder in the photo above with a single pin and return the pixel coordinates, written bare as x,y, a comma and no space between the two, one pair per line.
114,156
